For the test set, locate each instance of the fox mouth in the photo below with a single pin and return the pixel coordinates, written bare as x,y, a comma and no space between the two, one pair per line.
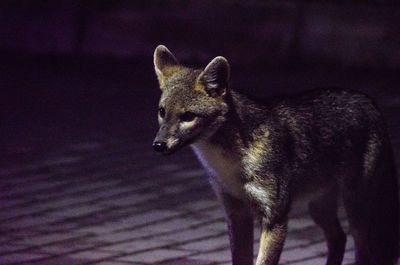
177,146
180,145
171,150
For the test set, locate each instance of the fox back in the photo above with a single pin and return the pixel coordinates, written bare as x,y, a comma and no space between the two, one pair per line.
261,156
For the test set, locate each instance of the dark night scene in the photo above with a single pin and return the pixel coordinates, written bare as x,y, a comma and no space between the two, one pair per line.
167,132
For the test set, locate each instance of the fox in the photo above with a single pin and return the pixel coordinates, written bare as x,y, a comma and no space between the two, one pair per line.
330,144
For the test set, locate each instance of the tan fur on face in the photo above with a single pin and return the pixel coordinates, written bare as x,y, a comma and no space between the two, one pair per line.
187,124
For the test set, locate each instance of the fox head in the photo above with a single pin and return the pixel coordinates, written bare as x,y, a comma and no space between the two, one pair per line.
193,102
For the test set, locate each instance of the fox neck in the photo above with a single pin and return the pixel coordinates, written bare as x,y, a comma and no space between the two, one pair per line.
243,116
221,153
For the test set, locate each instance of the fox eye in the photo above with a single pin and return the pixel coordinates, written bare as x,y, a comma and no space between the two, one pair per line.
188,116
161,111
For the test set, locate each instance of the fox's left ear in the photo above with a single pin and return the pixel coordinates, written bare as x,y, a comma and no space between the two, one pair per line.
165,64
215,76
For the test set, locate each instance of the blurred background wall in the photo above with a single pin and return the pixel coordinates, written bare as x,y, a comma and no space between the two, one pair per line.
263,33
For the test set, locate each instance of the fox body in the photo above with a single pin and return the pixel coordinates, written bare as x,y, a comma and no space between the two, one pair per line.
328,143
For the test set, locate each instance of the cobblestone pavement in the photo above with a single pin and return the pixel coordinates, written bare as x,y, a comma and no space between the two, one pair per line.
86,198
117,203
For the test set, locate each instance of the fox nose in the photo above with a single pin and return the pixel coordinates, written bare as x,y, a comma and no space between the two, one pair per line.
160,146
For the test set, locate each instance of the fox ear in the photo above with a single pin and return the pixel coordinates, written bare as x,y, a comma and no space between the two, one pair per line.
215,76
165,63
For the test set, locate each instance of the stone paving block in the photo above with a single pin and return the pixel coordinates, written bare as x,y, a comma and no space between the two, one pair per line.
85,147
22,189
64,202
6,248
202,204
59,260
115,262
168,167
179,223
16,258
6,236
124,224
155,256
221,256
217,224
58,227
64,248
16,212
76,211
207,244
170,226
151,217
10,170
26,179
91,255
30,221
174,189
121,236
137,245
69,197
188,261
41,239
38,190
23,232
89,186
192,173
102,229
312,261
112,193
300,254
291,243
126,200
61,160
191,235
64,190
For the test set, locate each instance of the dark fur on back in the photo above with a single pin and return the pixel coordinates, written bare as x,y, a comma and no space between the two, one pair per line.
329,137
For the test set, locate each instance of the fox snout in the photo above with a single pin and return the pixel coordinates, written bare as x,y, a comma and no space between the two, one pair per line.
165,146
160,146
165,142
160,142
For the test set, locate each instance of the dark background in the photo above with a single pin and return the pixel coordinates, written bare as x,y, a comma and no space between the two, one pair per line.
78,103
71,70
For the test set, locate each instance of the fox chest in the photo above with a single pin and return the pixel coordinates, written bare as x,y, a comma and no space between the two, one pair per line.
223,169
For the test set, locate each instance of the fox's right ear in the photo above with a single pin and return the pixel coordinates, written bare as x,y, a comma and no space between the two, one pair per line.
215,76
165,64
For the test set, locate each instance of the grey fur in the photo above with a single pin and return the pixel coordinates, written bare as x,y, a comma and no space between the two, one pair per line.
262,155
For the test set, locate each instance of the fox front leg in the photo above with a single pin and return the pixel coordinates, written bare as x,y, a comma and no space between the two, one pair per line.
273,206
271,242
240,225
